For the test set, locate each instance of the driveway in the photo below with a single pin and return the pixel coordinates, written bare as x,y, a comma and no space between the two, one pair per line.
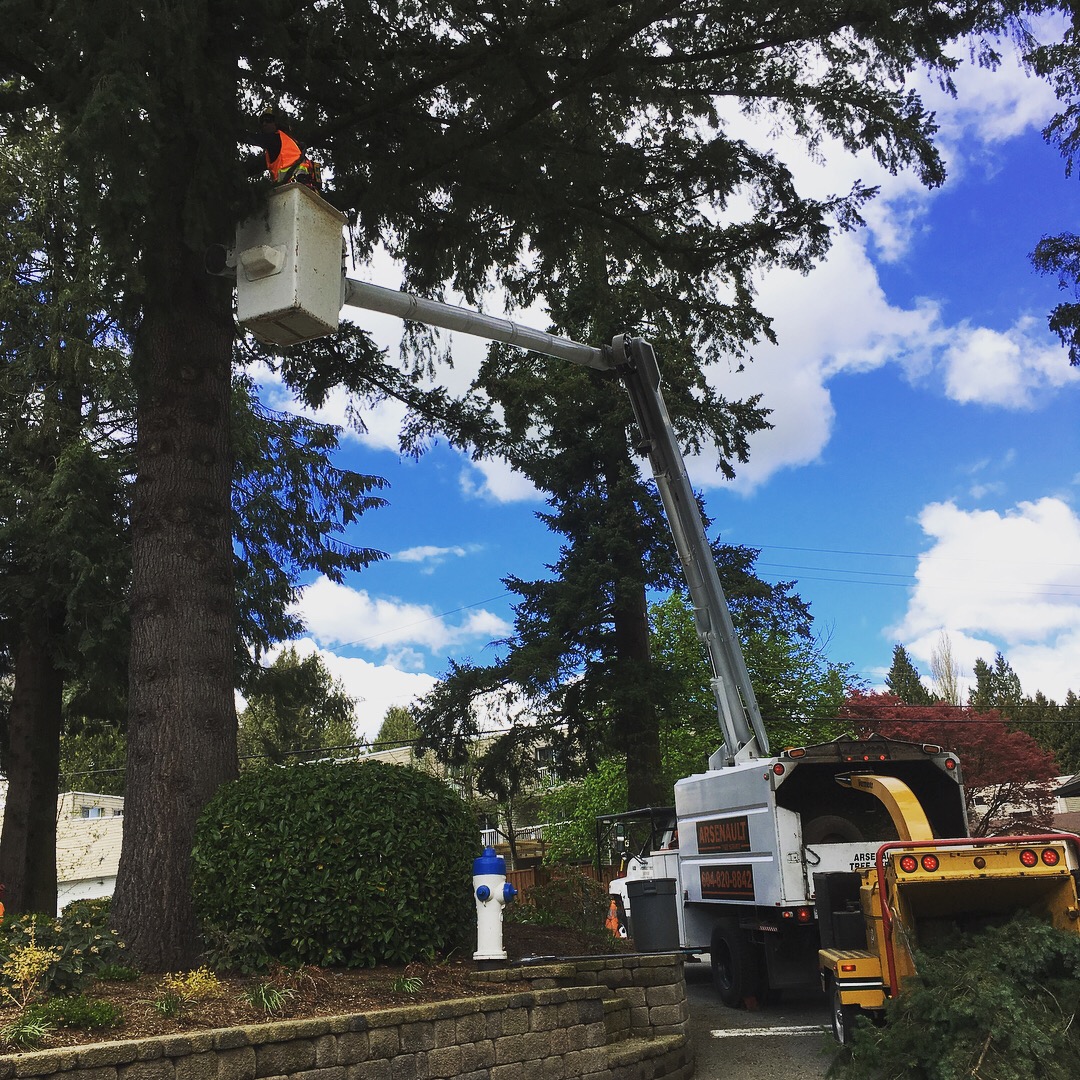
791,1039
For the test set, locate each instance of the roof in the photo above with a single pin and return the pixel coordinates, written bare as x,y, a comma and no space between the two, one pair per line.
1069,789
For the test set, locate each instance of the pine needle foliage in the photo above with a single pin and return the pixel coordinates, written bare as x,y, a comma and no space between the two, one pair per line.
1000,1004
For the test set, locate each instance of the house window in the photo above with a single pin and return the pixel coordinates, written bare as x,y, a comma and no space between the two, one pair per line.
90,811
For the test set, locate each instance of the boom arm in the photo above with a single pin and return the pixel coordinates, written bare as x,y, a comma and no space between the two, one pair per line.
736,704
634,360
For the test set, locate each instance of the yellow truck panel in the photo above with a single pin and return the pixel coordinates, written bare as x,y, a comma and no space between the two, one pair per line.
918,887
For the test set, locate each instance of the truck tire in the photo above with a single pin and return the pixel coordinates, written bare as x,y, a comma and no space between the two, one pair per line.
831,829
843,1016
736,965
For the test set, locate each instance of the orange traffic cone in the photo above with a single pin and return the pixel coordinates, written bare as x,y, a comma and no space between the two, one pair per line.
612,921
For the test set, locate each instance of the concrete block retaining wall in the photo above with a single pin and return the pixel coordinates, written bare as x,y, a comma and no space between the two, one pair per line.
616,1019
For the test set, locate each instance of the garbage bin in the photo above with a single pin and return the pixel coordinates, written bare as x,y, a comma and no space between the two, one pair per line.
653,914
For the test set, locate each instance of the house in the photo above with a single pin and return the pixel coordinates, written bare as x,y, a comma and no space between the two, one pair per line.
89,828
1067,804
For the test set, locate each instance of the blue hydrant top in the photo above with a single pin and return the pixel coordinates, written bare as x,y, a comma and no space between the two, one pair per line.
489,863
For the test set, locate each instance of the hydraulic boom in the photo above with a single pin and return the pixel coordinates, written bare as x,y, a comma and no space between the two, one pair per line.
634,361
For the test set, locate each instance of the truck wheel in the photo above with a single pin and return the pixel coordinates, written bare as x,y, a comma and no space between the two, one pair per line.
831,829
735,967
843,1017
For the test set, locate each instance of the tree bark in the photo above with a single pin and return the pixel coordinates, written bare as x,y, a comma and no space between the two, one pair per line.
182,719
638,726
28,846
635,711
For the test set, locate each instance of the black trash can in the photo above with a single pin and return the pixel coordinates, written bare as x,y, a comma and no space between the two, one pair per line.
653,915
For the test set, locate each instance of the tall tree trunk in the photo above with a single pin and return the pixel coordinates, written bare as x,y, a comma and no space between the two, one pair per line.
182,719
28,845
639,726
635,711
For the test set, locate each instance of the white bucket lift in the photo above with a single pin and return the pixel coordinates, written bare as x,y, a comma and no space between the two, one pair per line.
289,268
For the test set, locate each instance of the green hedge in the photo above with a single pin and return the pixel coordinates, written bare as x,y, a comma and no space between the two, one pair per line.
337,865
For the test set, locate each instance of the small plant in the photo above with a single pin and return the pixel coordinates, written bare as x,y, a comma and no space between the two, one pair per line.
25,969
182,989
407,984
116,973
26,1032
268,998
169,1004
198,985
83,1013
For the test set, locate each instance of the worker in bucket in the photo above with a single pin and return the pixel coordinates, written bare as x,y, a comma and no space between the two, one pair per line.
285,157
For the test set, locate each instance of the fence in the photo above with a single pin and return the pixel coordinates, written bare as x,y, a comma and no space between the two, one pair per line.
495,837
524,880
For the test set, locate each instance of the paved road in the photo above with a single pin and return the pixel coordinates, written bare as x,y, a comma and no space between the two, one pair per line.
789,1040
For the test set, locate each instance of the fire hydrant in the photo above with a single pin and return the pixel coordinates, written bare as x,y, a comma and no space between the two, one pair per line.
492,893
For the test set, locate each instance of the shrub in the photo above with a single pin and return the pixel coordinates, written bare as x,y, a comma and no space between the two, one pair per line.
335,865
25,968
999,1003
198,985
80,943
571,900
86,1014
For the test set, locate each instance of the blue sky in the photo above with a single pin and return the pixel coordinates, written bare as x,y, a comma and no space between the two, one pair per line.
923,474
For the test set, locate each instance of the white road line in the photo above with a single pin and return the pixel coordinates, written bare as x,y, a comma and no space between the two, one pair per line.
804,1029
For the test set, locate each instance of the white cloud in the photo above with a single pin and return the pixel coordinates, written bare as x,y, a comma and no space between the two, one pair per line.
833,321
993,105
495,481
837,320
1009,369
338,615
376,687
430,557
1008,581
429,553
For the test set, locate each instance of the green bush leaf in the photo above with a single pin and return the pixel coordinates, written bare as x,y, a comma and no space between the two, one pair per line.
271,882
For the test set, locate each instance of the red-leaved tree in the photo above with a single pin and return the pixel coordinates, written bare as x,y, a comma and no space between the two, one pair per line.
1008,777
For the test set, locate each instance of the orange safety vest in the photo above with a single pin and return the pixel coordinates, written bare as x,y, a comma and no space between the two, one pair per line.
289,154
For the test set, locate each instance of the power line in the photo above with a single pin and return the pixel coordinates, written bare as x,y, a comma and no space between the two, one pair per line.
838,576
896,555
1005,588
